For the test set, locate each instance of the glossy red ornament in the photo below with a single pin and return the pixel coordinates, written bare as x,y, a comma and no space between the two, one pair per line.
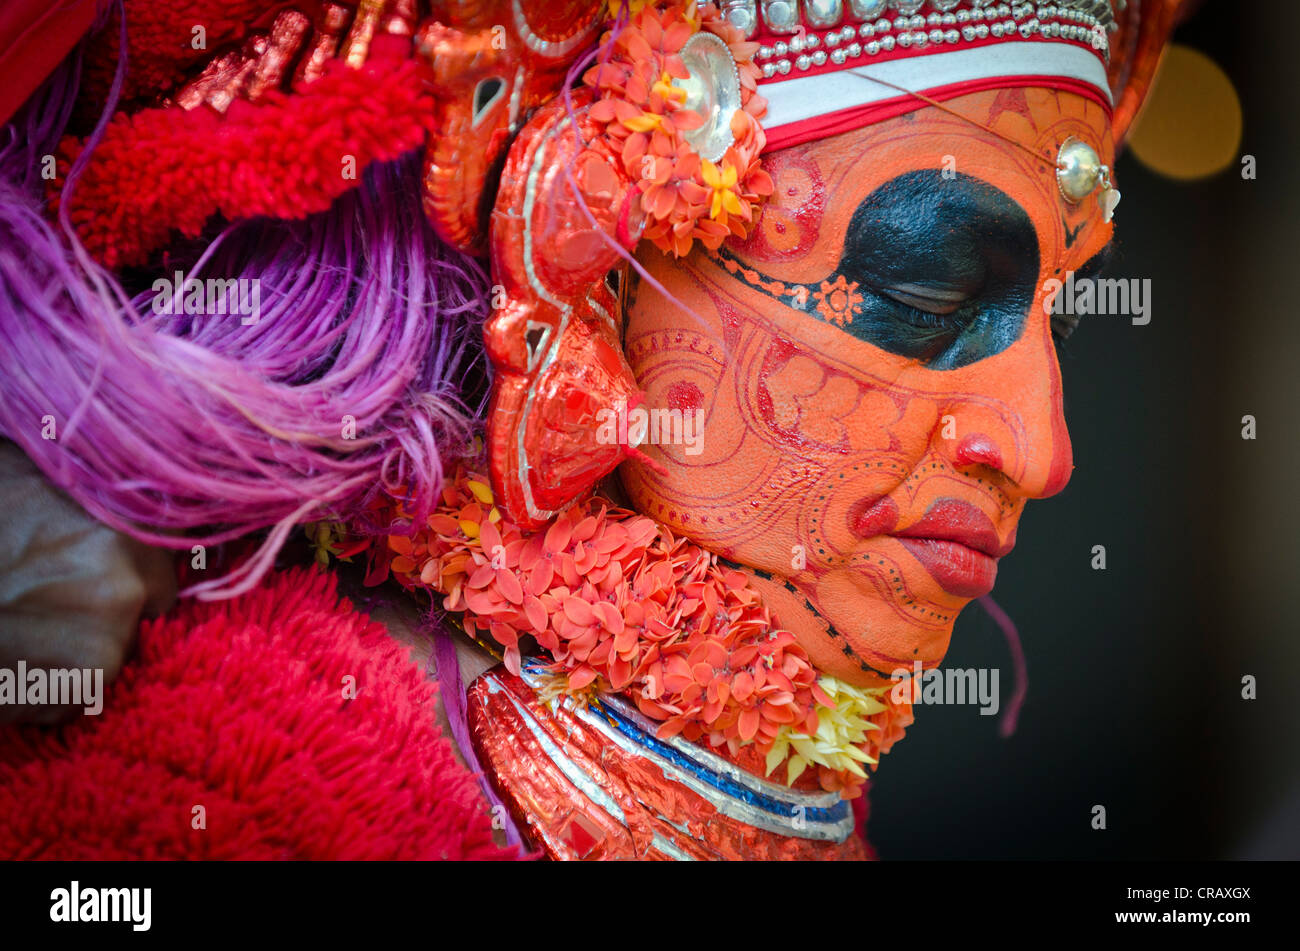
554,335
492,62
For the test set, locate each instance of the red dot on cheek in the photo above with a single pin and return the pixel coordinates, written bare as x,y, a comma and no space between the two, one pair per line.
685,396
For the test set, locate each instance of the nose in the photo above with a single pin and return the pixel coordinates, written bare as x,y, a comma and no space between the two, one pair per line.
1015,428
977,449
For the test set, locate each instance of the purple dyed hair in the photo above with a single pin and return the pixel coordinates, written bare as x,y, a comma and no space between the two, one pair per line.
184,429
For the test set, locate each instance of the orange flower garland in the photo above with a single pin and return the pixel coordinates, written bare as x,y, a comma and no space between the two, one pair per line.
683,196
622,605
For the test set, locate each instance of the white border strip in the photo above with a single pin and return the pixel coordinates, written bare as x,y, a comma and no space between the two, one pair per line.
805,97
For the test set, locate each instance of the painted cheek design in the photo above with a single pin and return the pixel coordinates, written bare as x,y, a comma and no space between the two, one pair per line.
809,465
880,500
907,514
791,218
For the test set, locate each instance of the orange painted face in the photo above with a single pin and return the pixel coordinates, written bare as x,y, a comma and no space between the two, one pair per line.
876,371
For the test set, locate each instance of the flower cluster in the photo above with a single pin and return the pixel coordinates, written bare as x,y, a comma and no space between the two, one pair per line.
622,605
684,197
860,722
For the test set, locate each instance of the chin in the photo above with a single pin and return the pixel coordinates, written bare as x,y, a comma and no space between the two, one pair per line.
897,626
858,629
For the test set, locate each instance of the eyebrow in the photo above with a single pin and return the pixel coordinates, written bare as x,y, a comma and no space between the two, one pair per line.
1098,262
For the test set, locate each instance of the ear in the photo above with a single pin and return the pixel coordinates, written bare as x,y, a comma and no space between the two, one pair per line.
1144,30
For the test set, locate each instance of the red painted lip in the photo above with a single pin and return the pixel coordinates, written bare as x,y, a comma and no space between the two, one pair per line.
959,547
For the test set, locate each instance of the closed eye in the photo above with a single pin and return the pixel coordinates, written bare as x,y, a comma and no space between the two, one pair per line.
929,332
947,268
932,300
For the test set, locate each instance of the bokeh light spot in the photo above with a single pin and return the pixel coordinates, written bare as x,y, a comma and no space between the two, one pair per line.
1191,124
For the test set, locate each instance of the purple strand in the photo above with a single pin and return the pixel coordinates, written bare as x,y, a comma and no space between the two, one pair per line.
452,690
1003,620
35,131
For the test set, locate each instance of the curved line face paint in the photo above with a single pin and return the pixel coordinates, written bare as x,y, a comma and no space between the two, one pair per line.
878,378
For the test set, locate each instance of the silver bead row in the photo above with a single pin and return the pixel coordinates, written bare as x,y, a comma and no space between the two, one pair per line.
805,51
796,16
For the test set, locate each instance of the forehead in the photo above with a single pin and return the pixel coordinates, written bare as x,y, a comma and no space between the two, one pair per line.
1008,138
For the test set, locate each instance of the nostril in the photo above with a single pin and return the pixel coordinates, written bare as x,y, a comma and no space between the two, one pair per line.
978,449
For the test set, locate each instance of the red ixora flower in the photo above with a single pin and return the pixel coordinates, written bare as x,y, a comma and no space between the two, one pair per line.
620,604
673,185
645,121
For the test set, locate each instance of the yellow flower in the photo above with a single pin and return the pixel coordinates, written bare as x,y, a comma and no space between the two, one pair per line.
646,122
840,730
483,493
722,182
325,538
666,89
553,688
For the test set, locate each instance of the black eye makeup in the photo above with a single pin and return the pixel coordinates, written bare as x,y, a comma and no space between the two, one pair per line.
940,270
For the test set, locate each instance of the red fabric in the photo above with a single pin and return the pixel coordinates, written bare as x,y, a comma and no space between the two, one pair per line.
166,168
857,117
34,36
238,707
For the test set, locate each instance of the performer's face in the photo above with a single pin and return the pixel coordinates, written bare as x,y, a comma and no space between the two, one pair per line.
877,372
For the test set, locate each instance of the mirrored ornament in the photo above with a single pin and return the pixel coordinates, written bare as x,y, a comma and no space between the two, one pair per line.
781,16
712,91
1078,170
743,15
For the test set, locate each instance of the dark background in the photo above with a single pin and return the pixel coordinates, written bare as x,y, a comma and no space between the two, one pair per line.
1135,672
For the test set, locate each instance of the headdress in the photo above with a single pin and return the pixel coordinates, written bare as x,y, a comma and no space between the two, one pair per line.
554,138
